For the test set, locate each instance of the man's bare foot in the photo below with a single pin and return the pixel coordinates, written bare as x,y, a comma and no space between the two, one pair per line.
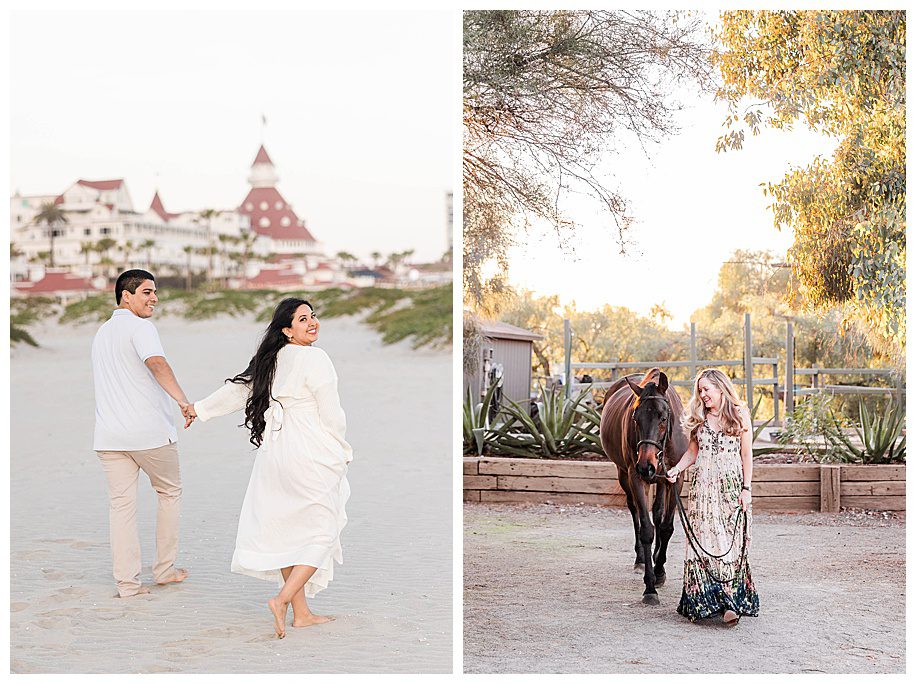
141,590
312,619
278,608
180,575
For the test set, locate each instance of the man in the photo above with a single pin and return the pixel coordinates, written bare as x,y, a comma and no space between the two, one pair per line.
134,430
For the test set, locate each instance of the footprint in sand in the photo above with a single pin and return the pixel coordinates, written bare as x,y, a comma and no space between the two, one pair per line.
31,555
53,574
222,632
16,607
61,612
84,545
72,592
262,638
52,623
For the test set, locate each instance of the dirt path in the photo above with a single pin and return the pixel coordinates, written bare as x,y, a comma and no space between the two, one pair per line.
551,588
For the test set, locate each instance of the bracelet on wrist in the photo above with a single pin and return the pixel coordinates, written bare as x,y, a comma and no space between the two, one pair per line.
745,487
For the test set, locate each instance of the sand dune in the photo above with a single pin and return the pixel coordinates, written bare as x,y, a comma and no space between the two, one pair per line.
392,596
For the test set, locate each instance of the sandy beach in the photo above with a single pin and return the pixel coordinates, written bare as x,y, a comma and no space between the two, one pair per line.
392,596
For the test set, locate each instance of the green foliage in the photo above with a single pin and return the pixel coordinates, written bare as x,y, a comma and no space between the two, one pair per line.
26,311
201,304
843,73
426,317
812,427
476,421
563,427
97,307
423,315
880,433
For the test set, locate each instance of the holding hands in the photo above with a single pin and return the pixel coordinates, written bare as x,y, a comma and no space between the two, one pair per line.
187,410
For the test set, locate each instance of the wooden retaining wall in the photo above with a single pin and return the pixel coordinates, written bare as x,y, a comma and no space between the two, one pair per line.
777,487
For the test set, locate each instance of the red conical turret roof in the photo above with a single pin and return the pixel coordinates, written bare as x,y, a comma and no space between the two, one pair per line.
157,206
262,157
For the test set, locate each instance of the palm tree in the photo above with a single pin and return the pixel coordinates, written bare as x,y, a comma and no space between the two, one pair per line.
148,246
247,241
51,215
207,215
188,249
103,247
346,259
87,248
225,241
376,258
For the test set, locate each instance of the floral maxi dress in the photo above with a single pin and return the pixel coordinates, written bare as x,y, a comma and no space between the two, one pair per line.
714,585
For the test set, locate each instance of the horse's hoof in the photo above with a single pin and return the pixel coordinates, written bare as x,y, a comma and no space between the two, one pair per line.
650,599
639,567
660,580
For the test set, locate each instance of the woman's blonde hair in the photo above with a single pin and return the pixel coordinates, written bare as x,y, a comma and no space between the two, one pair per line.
729,418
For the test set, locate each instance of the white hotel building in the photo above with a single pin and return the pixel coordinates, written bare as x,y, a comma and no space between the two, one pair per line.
104,209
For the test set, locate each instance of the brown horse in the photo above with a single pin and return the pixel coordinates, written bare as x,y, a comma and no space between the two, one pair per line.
641,433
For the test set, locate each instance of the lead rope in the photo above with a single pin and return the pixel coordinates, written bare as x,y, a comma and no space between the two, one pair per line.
694,541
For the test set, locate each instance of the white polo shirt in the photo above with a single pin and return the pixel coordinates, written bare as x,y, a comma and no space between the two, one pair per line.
132,412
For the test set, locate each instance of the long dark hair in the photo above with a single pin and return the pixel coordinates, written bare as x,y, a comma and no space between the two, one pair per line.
260,372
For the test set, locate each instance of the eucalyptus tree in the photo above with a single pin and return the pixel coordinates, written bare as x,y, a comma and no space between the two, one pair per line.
547,94
843,74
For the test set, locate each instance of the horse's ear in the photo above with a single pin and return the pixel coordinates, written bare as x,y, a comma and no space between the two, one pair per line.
662,383
633,386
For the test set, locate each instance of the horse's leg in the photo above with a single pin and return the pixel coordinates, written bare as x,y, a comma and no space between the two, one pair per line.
640,564
664,523
646,533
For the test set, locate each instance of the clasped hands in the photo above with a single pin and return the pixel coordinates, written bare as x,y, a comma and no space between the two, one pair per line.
187,410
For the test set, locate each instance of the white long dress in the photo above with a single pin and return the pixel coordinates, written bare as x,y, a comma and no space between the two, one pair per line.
293,511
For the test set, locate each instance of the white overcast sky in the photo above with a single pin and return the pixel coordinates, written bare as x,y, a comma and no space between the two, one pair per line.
360,109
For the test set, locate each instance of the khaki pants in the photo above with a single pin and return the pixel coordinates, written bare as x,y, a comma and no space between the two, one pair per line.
123,468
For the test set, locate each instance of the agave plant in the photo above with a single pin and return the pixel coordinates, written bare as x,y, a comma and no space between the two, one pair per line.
561,427
476,420
879,433
759,451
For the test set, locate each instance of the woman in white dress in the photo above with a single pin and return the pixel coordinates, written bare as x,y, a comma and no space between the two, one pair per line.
293,512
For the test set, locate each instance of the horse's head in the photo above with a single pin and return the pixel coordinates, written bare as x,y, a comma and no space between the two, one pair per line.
651,415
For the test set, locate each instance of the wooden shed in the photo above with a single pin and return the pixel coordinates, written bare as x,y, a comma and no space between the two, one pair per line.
509,347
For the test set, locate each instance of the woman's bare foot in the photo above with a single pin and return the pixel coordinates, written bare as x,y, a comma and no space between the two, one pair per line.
278,608
312,619
730,618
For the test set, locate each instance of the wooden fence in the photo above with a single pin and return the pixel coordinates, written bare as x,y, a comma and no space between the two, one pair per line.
788,391
776,487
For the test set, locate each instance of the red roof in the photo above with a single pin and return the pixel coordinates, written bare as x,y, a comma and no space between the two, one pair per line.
102,185
262,157
272,199
269,277
57,281
156,205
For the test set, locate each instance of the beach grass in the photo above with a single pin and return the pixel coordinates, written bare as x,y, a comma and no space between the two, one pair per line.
422,315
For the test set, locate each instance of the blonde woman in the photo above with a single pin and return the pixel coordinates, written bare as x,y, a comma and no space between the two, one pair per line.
717,575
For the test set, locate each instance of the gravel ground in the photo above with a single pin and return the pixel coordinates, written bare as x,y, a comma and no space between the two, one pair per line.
550,588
